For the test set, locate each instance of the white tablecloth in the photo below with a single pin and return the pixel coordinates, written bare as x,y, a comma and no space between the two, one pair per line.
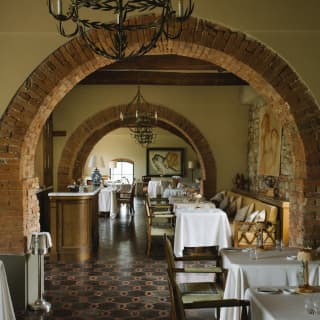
271,269
193,205
201,227
154,188
6,308
108,201
277,306
172,192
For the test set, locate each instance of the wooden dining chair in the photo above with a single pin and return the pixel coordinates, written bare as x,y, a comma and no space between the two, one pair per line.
127,197
181,302
204,291
159,223
210,254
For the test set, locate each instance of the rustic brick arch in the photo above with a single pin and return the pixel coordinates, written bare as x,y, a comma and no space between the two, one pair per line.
249,59
94,128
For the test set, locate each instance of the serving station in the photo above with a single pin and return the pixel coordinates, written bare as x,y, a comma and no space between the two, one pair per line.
74,225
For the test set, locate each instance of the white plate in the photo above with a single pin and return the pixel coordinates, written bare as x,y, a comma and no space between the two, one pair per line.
291,257
289,291
269,290
233,249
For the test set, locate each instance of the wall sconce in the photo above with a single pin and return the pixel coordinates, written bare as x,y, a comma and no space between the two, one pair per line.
191,167
39,245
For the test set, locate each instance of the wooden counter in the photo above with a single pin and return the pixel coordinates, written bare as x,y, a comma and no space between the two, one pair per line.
74,225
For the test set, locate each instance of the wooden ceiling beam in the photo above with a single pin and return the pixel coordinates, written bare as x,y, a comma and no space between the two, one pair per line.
113,77
163,70
163,62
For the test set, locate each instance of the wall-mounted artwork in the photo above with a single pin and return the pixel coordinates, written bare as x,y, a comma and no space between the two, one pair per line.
269,144
165,162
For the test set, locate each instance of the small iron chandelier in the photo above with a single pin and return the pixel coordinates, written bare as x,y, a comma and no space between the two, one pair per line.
164,21
140,122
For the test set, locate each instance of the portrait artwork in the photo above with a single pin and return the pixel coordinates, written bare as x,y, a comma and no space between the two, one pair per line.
164,162
269,144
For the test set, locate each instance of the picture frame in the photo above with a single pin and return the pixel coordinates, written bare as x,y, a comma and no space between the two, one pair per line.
165,162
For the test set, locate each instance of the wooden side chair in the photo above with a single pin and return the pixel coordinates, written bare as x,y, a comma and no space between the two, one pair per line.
127,197
179,303
194,295
212,289
158,202
158,224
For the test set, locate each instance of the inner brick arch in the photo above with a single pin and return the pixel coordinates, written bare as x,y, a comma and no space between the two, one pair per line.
93,129
249,59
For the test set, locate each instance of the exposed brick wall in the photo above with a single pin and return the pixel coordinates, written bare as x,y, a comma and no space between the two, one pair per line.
288,179
249,59
83,139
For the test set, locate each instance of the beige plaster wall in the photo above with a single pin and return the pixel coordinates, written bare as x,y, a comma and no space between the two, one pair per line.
216,111
291,27
118,144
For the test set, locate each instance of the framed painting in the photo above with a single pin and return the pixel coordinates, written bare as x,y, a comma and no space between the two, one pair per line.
166,162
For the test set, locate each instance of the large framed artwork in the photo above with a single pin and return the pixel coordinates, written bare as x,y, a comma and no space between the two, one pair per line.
166,162
269,144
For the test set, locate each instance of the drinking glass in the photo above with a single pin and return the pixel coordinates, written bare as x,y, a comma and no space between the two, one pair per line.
316,303
279,245
253,254
308,305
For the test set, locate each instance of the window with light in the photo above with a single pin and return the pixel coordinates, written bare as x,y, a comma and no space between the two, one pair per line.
124,172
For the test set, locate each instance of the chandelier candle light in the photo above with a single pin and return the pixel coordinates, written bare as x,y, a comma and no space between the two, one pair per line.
76,17
140,122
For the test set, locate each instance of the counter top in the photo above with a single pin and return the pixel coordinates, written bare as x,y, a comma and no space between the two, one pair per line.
75,194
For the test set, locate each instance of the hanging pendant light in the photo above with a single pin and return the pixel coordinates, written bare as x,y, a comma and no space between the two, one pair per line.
141,119
114,41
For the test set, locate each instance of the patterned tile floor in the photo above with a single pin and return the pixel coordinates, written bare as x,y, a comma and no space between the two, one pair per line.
121,283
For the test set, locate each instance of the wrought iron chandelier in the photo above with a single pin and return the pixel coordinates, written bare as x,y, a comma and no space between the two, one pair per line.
140,122
79,15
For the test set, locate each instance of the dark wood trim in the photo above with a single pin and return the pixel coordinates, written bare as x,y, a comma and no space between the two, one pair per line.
48,152
59,133
164,70
163,78
163,62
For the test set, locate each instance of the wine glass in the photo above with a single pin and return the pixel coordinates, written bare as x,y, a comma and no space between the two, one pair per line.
309,305
316,303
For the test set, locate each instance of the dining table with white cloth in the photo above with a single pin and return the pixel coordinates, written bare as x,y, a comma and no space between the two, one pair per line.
201,227
6,307
271,268
108,200
193,205
283,305
154,188
169,192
